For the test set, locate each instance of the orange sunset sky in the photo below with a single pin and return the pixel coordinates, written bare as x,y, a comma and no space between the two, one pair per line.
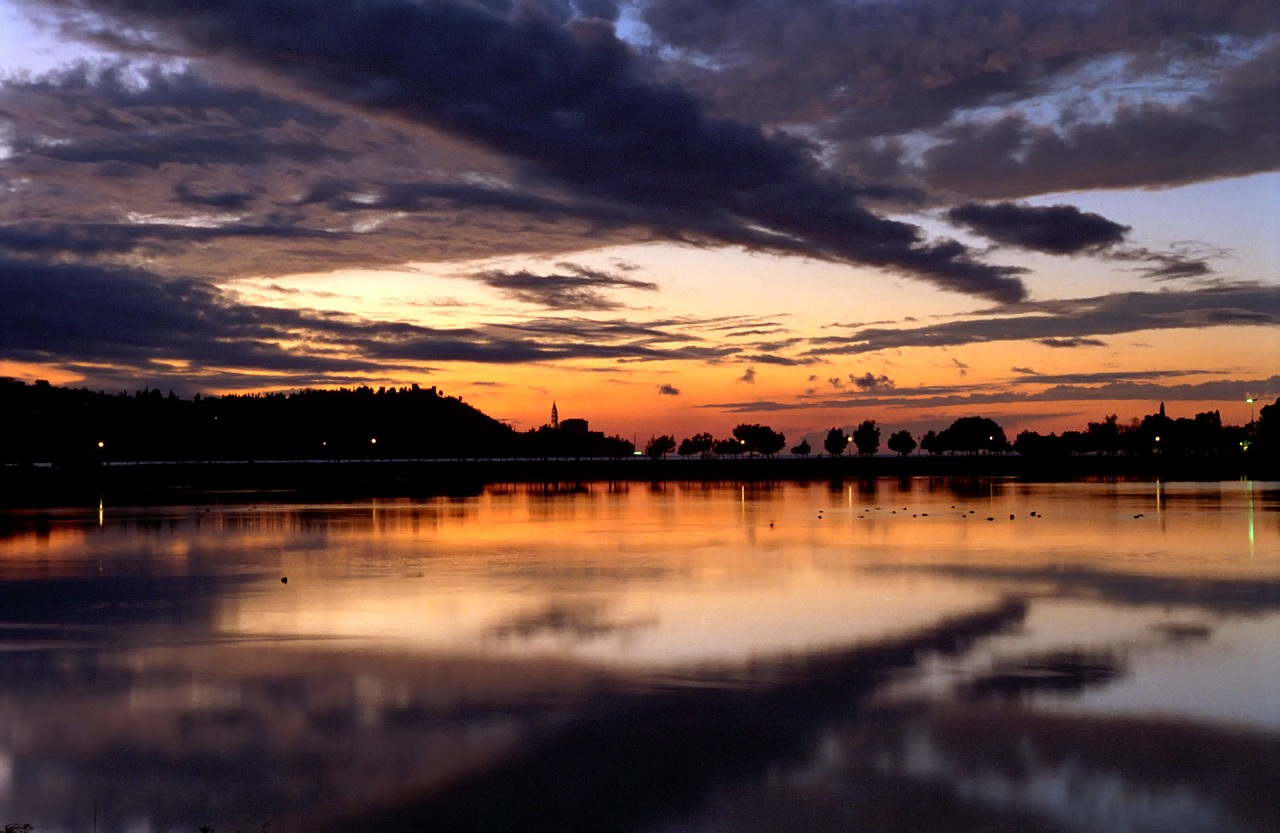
667,216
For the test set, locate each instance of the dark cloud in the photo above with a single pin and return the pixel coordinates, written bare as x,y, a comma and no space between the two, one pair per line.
1055,229
576,289
206,148
871,382
668,390
775,358
230,200
353,188
568,107
1071,342
89,239
868,73
749,376
602,9
108,322
1099,377
1126,312
917,399
1166,266
1230,129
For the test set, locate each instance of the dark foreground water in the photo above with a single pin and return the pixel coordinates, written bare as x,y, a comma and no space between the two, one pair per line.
923,655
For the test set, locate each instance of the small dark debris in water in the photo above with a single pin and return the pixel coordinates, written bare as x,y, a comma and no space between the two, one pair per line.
1011,517
1139,515
991,519
915,516
284,579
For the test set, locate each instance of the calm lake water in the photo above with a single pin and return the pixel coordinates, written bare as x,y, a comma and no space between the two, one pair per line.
875,656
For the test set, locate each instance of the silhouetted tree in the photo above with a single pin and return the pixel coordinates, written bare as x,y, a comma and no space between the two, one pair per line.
867,437
902,442
803,449
929,442
660,446
730,447
1264,442
1205,435
697,444
1074,442
836,442
1104,437
760,439
1033,444
973,434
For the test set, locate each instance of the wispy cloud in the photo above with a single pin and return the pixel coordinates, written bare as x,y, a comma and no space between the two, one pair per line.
1082,318
132,321
920,399
576,288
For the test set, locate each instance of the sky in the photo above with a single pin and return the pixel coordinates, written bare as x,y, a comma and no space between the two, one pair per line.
667,216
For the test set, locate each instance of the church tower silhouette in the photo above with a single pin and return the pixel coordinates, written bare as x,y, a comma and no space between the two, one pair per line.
555,415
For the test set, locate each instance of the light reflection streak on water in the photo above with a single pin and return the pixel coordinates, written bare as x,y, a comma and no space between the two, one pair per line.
1249,492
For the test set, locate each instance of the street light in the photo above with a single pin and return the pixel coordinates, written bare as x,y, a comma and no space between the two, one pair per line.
1250,400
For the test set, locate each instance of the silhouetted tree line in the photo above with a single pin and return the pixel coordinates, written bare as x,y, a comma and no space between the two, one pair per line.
47,423
1203,435
77,426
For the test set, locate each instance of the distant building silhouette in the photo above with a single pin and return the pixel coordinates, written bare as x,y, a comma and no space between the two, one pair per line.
574,426
555,416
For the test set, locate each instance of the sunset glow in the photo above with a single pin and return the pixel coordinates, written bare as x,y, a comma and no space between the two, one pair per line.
666,216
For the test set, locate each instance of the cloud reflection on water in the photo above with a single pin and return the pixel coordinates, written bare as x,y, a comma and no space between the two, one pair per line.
688,657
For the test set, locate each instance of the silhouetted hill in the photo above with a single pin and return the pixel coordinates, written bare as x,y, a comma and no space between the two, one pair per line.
75,427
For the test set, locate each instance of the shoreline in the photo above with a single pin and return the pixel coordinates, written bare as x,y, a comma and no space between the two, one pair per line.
185,482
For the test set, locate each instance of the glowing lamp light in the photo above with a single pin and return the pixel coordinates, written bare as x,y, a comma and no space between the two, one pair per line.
101,444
